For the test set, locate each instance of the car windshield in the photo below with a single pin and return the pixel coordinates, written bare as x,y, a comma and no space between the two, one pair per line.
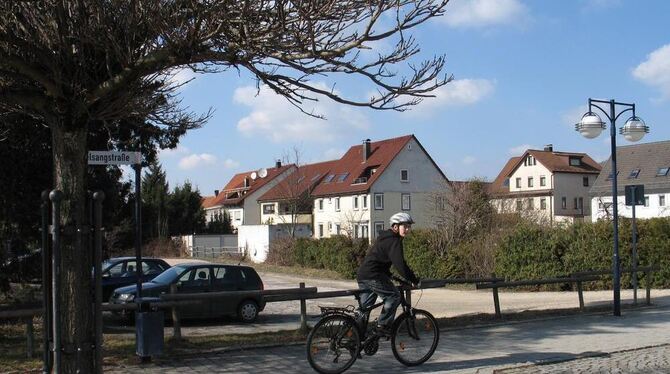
169,275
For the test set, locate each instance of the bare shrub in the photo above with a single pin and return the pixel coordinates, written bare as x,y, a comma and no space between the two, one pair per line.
164,247
282,252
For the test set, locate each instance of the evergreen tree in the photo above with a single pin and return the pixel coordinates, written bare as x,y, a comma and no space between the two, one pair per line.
155,196
186,215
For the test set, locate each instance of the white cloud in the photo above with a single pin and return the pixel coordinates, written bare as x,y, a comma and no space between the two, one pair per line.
231,164
483,13
655,71
469,160
520,149
274,118
175,152
333,153
459,92
196,160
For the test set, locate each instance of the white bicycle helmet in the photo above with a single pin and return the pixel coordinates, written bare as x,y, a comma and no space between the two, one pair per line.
400,218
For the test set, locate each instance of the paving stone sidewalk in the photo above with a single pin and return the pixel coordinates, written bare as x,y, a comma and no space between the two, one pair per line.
636,342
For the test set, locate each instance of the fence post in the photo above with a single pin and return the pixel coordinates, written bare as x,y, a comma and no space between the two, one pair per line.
648,275
176,324
303,311
580,293
496,299
30,337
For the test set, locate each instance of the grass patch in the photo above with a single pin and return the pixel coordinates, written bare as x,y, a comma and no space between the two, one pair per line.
13,346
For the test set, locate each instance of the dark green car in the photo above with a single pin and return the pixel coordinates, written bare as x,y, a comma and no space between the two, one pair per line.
196,278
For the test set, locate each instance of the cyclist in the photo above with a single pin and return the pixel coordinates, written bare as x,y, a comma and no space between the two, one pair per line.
374,274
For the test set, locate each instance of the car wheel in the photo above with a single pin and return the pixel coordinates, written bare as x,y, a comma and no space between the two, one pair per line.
247,311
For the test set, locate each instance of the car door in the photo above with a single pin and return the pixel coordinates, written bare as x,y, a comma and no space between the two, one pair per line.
195,280
226,278
113,278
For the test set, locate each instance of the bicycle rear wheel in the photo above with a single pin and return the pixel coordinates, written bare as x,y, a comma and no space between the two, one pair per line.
333,344
415,339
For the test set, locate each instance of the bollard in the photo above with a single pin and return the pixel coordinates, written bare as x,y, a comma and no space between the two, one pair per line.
648,275
496,299
176,324
303,311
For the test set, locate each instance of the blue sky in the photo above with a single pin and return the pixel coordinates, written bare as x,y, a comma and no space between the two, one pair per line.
523,72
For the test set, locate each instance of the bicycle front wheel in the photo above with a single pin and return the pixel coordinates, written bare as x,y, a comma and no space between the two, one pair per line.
415,338
333,344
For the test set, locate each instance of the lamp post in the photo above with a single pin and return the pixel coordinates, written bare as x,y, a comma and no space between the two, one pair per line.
590,127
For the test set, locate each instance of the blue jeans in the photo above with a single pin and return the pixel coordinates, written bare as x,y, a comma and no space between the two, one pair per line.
389,294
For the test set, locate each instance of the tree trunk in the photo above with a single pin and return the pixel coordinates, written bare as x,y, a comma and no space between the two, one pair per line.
76,320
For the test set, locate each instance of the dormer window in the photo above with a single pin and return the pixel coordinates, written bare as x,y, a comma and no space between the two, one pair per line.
575,161
634,174
662,172
329,178
530,161
342,177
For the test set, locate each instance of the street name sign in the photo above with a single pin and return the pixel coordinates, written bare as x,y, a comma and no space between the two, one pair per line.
114,158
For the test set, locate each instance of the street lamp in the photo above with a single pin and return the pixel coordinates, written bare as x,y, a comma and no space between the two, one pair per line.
590,127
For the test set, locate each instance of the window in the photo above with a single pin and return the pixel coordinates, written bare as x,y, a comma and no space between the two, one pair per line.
575,203
320,230
406,201
379,227
364,231
530,204
585,181
329,178
342,177
581,204
321,204
611,175
518,183
237,215
355,202
543,181
519,205
543,204
575,161
506,182
379,201
634,174
337,229
661,200
364,200
404,175
268,208
662,172
530,181
646,201
337,204
564,202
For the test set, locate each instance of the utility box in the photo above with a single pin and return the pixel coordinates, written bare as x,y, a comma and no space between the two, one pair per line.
149,325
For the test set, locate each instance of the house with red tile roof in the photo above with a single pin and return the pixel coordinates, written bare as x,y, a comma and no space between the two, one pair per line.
239,198
290,201
371,182
546,185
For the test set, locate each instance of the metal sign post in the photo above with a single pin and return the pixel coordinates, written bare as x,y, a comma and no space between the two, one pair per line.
634,196
114,158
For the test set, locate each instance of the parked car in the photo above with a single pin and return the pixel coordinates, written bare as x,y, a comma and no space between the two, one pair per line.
199,278
121,271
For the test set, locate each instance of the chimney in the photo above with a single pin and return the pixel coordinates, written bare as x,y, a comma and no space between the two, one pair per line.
366,150
549,148
278,164
216,192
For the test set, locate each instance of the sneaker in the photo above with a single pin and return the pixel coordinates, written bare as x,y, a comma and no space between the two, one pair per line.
383,331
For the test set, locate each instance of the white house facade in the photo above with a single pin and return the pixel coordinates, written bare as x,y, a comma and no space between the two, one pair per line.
646,165
546,186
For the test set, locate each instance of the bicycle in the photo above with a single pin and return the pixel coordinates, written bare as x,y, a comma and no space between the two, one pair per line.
342,334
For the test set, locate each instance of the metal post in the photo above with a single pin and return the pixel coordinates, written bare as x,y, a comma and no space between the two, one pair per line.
649,278
46,286
30,338
303,311
580,293
634,248
98,197
616,281
56,197
138,229
496,299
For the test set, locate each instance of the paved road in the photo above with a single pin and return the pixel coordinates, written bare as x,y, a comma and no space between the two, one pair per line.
637,342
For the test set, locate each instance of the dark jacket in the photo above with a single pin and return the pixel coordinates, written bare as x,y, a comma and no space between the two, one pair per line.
387,250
